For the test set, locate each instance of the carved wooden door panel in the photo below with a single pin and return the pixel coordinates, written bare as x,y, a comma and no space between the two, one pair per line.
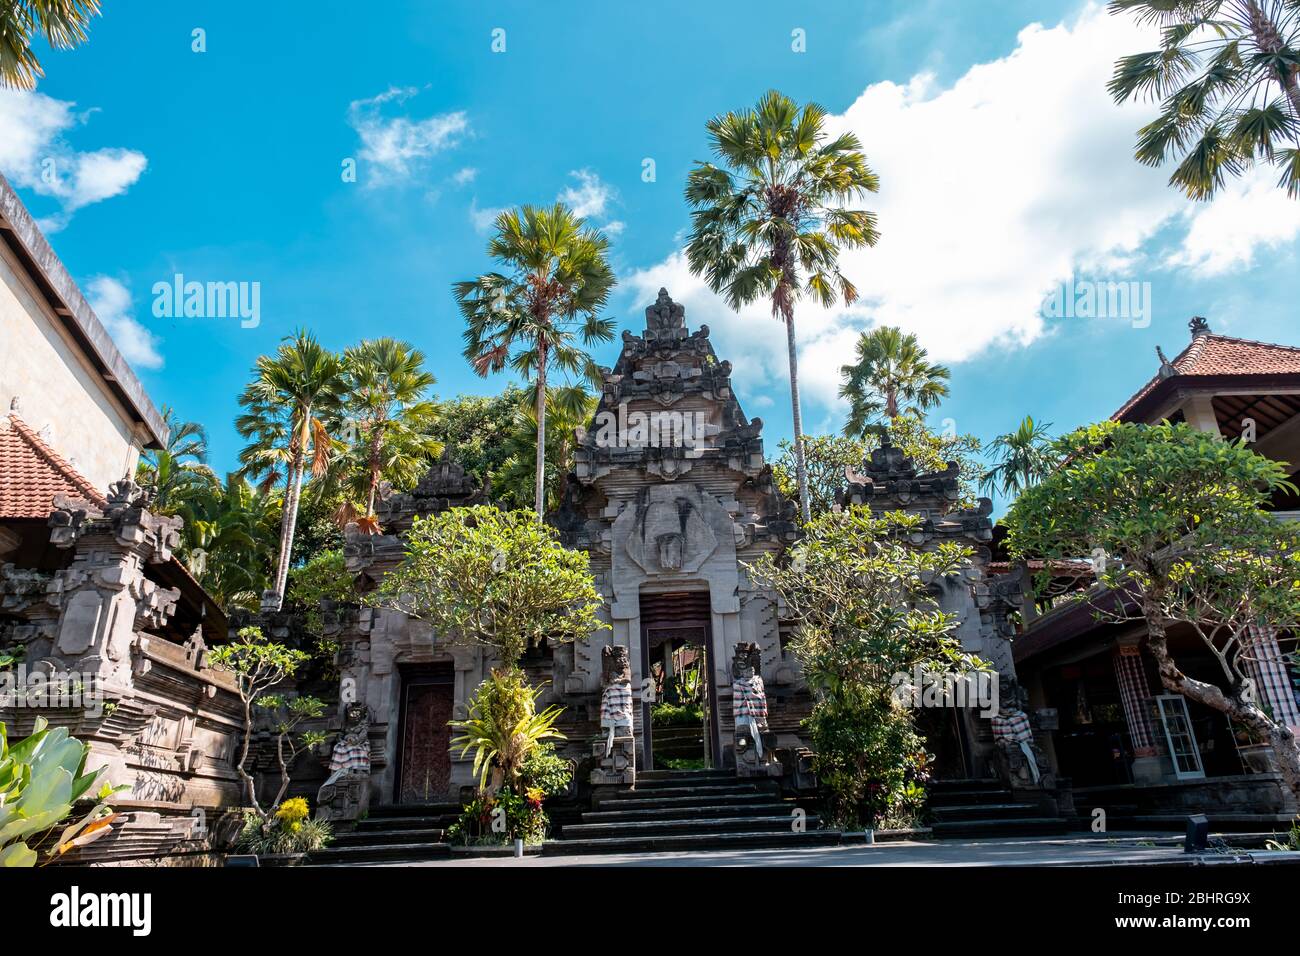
426,760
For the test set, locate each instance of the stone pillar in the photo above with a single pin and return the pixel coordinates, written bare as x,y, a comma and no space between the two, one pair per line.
1265,665
1135,695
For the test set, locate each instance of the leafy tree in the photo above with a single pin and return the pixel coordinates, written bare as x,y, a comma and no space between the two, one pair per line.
827,457
890,377
292,396
494,578
475,427
387,422
1227,75
258,665
770,221
859,593
557,279
567,410
324,577
1022,458
179,471
62,23
287,713
1176,515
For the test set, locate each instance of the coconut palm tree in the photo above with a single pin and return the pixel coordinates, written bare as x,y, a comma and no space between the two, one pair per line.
1227,75
770,221
1024,457
61,22
292,396
178,471
891,377
389,414
532,316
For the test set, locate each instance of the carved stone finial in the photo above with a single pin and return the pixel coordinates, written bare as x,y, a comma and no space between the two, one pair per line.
1167,369
665,315
1199,326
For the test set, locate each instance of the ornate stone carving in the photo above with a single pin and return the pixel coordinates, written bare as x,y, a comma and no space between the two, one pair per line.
345,795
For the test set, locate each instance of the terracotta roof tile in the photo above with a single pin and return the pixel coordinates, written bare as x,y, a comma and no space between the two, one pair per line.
32,474
1212,354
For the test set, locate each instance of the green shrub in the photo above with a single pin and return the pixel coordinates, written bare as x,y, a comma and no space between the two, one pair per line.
870,763
288,830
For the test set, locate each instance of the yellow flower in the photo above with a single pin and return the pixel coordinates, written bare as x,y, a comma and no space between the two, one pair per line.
293,811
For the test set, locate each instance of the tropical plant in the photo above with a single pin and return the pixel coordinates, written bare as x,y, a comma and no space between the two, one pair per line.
257,665
173,474
324,577
568,409
1227,75
292,396
62,23
770,221
1174,520
493,578
1022,458
891,377
474,429
227,538
503,728
533,315
287,713
288,830
41,778
388,417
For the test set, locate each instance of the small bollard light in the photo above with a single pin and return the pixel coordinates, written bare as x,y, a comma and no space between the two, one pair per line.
519,849
1198,833
869,837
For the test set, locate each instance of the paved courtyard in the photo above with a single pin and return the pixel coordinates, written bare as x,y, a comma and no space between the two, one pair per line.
1079,850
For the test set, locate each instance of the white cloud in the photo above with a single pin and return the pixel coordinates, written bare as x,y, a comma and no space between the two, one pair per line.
35,155
483,218
614,229
590,197
111,301
394,148
993,190
463,177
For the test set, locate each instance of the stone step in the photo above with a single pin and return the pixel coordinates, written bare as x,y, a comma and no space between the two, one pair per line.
380,853
686,776
649,802
390,837
690,813
672,827
965,783
660,793
984,811
414,810
969,797
405,823
1019,826
693,841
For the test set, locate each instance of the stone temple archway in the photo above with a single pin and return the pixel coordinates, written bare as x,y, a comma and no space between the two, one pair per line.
678,626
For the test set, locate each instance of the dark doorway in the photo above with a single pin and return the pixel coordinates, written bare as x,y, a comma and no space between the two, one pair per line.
680,725
424,759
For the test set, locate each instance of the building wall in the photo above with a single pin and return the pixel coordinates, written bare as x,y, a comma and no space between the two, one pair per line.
58,393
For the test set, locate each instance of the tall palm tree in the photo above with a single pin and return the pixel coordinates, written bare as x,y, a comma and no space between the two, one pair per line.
178,471
556,279
1023,458
287,404
1227,75
772,222
225,542
389,415
62,22
891,377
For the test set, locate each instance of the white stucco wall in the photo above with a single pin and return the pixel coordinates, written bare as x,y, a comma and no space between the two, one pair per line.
56,388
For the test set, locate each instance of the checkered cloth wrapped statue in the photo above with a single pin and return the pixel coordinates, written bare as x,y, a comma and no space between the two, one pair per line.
748,695
1012,726
616,697
749,698
350,756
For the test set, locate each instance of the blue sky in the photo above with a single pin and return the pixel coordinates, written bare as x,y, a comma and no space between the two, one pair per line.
1005,171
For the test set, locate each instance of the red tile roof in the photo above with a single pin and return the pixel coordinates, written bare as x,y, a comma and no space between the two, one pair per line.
32,474
1213,355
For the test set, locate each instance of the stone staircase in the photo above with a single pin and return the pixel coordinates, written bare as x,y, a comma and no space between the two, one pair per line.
970,809
672,810
393,833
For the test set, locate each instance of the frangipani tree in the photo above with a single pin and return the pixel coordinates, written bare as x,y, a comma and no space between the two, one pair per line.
1174,518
